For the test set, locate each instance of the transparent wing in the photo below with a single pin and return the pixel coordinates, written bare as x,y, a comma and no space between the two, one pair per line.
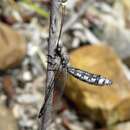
59,84
60,80
58,105
47,95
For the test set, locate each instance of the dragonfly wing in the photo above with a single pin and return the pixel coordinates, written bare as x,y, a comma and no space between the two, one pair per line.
48,94
59,87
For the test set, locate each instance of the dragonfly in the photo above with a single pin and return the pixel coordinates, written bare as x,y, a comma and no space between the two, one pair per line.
64,65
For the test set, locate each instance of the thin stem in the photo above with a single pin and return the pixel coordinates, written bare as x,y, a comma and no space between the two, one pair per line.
54,16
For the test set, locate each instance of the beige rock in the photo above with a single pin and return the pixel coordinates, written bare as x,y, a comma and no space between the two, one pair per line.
100,103
7,120
12,47
126,5
121,126
115,31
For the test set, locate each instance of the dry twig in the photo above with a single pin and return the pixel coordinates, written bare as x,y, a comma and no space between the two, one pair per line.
51,51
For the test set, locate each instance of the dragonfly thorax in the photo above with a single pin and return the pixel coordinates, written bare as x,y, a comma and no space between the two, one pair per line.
64,61
60,53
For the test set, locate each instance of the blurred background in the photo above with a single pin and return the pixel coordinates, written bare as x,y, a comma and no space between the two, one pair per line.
96,35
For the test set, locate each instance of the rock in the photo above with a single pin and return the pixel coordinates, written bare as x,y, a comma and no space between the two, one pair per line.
7,120
27,76
114,30
117,37
27,99
126,5
100,103
9,89
12,47
122,126
127,61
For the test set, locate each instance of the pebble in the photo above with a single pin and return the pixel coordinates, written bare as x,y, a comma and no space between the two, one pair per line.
27,99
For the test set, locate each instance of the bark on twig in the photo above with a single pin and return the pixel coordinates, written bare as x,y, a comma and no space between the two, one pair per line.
54,16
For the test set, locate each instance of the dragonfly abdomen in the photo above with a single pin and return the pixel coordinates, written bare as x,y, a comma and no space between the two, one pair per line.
88,77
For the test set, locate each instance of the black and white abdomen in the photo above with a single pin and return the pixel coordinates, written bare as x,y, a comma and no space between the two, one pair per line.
89,77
